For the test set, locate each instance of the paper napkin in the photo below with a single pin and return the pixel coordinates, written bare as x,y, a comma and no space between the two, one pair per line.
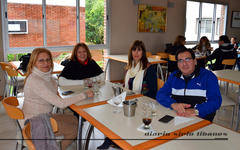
179,120
121,96
141,128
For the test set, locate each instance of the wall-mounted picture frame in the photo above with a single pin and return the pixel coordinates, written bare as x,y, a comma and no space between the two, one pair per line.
152,18
235,19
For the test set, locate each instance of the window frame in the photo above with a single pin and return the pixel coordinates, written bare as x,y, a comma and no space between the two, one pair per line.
213,21
7,50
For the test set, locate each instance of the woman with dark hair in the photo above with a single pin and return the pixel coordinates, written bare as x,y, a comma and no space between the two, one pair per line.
202,49
80,66
141,77
204,46
41,94
178,44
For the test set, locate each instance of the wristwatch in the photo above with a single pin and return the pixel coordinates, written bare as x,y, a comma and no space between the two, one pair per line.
196,112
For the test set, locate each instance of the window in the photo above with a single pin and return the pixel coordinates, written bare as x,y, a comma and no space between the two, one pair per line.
55,24
205,19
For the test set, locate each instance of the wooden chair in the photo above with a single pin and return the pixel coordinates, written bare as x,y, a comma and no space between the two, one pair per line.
163,55
11,106
12,84
27,133
172,57
229,62
155,57
148,54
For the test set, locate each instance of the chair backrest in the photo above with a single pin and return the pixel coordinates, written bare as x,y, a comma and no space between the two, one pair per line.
27,133
12,72
163,55
228,62
160,83
155,57
148,54
171,57
10,104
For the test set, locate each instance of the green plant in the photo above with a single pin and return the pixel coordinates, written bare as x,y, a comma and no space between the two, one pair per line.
94,12
14,57
100,63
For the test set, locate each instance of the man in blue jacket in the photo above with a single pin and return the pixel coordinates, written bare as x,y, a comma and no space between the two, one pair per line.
191,91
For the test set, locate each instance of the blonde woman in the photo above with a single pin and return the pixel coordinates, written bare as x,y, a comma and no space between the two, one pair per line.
40,94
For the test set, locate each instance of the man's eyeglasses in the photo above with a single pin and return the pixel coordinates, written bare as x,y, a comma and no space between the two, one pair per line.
188,59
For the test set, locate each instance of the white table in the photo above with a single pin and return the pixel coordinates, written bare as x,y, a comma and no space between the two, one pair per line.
57,68
123,130
230,76
224,139
105,93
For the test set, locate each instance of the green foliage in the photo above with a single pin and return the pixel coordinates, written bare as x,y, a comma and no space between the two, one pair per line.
94,12
14,57
100,63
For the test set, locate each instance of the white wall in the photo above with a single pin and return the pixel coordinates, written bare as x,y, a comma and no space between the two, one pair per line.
124,15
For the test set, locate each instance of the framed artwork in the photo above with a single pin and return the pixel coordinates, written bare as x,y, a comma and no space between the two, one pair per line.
236,19
151,18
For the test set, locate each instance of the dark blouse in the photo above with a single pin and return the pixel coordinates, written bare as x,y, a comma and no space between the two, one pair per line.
77,71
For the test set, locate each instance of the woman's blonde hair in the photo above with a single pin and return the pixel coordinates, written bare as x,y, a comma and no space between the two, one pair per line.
75,49
34,57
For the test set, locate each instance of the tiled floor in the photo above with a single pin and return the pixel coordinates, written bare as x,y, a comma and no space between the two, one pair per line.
8,127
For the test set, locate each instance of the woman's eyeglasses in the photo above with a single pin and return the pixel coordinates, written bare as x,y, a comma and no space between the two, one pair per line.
44,60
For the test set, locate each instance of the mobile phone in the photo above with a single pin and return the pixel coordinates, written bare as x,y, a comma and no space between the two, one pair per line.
166,119
67,92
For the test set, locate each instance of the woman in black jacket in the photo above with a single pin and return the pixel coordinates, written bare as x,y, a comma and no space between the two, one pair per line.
80,66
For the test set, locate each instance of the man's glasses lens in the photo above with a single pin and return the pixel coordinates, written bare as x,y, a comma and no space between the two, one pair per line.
186,60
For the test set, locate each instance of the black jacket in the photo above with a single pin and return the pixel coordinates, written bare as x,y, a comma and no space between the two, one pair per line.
225,51
77,71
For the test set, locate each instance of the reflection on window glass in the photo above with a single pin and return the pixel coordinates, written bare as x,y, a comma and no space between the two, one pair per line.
211,22
25,23
206,21
192,16
220,21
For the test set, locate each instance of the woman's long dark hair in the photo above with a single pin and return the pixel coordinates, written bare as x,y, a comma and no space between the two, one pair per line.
144,61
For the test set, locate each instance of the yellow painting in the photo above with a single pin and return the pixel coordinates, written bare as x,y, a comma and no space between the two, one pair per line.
151,18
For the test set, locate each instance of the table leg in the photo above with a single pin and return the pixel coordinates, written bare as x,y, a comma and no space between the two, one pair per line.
161,71
238,116
79,135
105,70
88,136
